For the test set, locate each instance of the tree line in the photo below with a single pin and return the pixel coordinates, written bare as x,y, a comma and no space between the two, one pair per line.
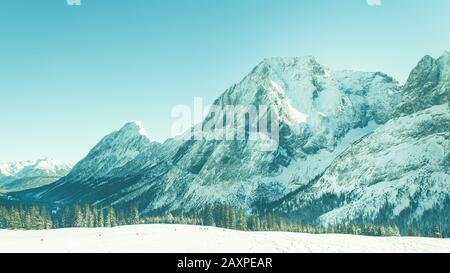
218,215
34,217
224,216
228,217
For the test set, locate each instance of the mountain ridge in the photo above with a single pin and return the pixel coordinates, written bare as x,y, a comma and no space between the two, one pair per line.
349,104
23,175
326,118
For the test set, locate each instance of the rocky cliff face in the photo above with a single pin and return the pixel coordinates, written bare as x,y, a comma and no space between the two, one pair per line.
428,85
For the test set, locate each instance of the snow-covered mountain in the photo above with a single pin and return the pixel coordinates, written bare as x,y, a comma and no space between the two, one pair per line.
114,151
400,173
107,169
321,113
353,147
16,176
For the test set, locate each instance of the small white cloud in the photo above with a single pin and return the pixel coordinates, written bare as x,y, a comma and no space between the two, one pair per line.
73,2
374,2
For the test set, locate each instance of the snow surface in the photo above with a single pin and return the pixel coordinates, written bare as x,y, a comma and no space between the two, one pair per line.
183,238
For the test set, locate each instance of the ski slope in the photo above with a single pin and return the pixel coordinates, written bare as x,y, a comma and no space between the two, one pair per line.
183,238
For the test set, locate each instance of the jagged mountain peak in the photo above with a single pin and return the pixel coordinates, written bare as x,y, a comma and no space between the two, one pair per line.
276,65
444,64
446,54
285,83
277,62
114,151
428,61
303,91
135,128
427,85
133,131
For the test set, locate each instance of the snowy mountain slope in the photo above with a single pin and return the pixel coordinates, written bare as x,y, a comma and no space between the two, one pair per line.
321,112
114,151
401,170
194,239
400,173
108,167
31,174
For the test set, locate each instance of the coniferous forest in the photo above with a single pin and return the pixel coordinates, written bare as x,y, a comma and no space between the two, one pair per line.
35,218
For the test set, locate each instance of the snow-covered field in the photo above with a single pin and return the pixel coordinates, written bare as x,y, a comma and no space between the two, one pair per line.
182,238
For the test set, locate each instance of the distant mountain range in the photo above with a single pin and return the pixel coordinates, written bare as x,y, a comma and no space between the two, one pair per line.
354,147
16,176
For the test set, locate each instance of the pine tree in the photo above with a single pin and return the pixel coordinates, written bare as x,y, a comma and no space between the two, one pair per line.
111,220
79,220
135,216
4,218
254,226
223,216
231,218
281,223
121,218
14,219
55,221
270,221
88,216
242,221
28,221
168,219
33,218
101,218
95,217
217,215
393,230
66,218
208,218
107,219
45,219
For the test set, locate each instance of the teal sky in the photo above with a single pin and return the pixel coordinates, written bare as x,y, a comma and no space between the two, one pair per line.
71,74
